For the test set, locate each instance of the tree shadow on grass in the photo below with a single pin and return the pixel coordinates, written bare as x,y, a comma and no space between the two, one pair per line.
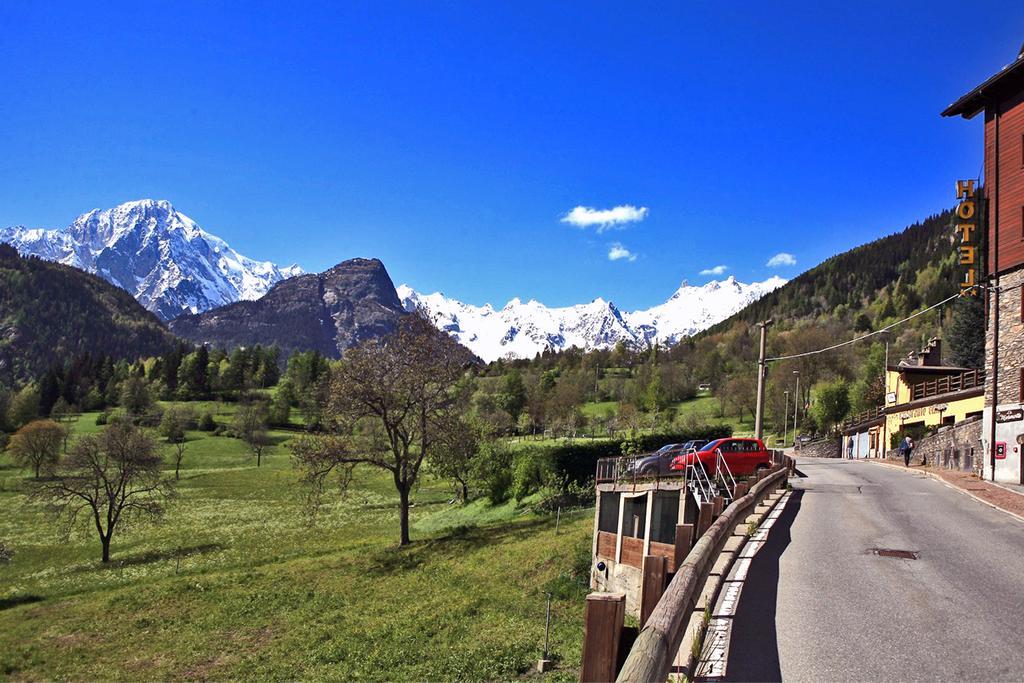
457,540
150,556
17,600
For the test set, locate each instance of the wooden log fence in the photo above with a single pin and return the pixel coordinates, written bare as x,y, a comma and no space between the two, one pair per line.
663,626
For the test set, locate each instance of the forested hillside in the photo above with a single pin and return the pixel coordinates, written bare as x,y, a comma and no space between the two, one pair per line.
891,276
50,313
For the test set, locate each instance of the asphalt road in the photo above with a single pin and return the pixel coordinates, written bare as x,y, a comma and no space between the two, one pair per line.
819,605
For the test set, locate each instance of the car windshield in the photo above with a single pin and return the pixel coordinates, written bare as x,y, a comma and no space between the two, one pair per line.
667,447
713,445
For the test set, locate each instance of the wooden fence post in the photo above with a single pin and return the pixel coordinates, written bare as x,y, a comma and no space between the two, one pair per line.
602,628
704,519
684,542
741,490
718,502
653,585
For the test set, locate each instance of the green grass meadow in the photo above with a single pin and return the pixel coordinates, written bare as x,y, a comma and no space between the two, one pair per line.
234,583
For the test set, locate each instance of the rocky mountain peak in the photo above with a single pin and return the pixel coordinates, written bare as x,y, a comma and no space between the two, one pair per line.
158,254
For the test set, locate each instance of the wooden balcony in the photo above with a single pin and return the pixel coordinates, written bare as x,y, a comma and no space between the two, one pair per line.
949,384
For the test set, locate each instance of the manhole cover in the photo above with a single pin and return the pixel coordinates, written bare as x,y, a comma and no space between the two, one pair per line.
902,554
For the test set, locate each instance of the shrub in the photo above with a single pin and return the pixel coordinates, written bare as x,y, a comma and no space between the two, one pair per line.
206,423
531,469
103,418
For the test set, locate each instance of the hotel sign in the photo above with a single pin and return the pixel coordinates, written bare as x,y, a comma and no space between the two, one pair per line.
966,226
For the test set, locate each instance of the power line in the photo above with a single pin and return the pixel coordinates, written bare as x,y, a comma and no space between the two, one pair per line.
870,334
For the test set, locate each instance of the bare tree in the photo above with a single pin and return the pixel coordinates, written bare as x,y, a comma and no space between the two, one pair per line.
114,476
251,427
388,402
173,426
37,445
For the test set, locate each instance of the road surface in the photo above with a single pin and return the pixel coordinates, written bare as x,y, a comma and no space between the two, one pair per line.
820,605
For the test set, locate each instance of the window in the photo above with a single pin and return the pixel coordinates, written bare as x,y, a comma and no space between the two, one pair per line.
609,516
665,516
634,516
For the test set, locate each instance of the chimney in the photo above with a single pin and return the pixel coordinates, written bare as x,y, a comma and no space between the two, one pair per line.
932,353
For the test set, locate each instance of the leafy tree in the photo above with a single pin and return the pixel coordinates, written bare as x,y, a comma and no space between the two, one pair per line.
24,406
135,396
114,477
389,401
831,404
37,445
513,394
966,337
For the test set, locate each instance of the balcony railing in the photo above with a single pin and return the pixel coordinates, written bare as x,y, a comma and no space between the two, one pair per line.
866,416
950,384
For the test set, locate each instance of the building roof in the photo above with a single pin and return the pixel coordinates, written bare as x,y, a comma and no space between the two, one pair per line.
1009,79
938,369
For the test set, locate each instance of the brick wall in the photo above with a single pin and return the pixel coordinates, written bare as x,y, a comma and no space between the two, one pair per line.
953,447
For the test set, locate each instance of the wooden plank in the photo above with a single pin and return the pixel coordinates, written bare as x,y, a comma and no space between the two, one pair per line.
606,545
666,550
652,586
704,518
632,551
684,542
718,504
603,619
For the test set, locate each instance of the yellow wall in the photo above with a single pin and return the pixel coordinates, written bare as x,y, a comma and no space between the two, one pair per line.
958,410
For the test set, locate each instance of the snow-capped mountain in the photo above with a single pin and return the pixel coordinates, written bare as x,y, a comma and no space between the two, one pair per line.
170,264
521,330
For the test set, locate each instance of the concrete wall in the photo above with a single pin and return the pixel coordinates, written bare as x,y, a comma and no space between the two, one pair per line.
824,448
954,448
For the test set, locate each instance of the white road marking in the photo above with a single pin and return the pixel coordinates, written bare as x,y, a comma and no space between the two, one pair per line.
715,653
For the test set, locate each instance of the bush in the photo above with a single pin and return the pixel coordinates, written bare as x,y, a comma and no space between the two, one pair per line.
494,471
531,469
206,423
103,418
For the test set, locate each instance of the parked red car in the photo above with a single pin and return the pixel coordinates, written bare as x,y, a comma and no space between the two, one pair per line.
743,456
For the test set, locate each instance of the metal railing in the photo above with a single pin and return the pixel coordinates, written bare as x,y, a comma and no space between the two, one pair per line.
724,475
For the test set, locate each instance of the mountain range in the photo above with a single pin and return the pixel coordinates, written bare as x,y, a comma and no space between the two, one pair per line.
158,254
522,330
211,293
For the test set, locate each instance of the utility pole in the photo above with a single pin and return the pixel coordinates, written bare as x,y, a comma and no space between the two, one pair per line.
758,419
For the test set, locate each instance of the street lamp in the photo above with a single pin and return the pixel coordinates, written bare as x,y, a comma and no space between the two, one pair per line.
785,420
796,408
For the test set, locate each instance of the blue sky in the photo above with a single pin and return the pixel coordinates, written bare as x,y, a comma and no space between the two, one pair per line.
450,139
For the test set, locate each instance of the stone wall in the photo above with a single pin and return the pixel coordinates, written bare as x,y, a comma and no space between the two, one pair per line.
824,448
954,447
1011,339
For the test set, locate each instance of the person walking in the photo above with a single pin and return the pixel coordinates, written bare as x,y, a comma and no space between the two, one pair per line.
905,450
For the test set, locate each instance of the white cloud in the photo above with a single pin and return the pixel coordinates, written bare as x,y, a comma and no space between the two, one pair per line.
605,219
781,259
617,252
715,270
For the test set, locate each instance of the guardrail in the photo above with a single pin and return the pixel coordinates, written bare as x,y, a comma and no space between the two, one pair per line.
651,656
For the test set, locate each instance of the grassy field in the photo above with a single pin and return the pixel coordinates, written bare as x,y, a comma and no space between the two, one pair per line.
235,584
